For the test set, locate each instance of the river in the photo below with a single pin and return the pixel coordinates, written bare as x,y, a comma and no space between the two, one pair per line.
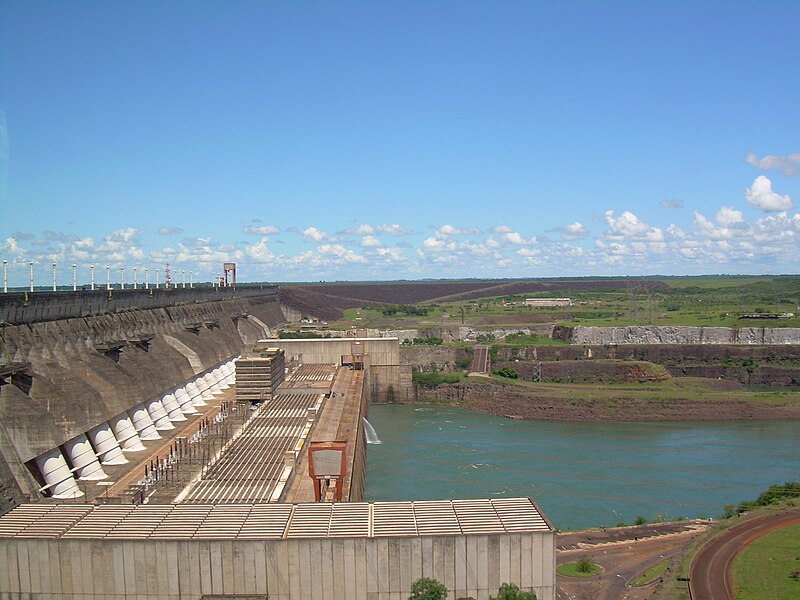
581,474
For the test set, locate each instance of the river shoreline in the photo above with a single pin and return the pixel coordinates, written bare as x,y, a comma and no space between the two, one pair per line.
683,401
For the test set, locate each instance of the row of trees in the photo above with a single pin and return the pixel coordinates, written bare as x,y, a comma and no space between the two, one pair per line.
410,310
431,589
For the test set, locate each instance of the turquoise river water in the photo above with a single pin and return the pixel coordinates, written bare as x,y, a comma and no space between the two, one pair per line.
581,474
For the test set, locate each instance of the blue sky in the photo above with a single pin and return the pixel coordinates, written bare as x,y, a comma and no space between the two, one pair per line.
324,141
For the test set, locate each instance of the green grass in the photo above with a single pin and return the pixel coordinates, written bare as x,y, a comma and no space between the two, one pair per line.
762,569
688,388
651,574
570,569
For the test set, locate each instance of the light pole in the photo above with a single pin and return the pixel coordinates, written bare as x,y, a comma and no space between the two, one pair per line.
191,285
55,286
146,278
30,274
135,279
5,276
122,278
156,278
108,277
91,275
183,273
74,277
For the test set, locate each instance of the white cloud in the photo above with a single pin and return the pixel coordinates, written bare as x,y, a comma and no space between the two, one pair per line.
728,217
364,229
169,230
317,236
626,225
438,243
513,237
340,252
761,196
574,231
672,203
393,229
450,230
370,241
367,229
789,165
260,230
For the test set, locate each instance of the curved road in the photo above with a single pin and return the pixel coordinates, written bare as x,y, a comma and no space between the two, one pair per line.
710,574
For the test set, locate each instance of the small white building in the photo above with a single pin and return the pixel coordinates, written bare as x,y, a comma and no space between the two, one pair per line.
547,302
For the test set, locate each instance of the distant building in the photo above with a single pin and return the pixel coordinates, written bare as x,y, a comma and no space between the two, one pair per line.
762,315
259,374
548,302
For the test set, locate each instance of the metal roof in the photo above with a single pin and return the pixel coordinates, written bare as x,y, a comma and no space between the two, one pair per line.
274,521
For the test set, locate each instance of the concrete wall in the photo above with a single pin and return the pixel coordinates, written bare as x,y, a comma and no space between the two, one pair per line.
32,307
379,351
644,334
298,569
390,383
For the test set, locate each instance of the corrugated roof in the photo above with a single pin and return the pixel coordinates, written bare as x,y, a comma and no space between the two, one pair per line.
273,521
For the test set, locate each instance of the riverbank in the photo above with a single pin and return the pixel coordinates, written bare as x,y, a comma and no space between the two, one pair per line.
676,399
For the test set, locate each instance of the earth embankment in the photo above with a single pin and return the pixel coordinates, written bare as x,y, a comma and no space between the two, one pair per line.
677,400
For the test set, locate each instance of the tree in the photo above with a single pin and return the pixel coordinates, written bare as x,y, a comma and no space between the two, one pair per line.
510,591
584,564
427,589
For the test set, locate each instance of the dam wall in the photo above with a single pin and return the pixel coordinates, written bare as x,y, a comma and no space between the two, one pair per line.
33,307
62,377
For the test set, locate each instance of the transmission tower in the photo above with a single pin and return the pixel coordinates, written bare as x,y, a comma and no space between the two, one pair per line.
167,276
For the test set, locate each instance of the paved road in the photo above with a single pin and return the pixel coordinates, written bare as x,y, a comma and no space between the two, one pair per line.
624,554
710,574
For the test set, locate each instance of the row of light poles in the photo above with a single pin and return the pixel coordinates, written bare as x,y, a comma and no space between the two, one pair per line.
135,286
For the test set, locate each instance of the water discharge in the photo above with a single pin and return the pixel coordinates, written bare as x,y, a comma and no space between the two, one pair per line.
581,474
370,434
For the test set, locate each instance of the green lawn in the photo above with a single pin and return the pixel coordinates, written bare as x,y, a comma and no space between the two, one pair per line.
571,570
763,570
651,574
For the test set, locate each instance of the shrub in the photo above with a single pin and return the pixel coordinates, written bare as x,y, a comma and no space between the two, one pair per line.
640,520
427,589
510,591
506,372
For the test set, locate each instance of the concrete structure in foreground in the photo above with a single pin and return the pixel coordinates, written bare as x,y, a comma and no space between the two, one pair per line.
342,551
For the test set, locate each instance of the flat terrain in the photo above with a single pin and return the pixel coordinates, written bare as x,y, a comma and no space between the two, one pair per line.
702,301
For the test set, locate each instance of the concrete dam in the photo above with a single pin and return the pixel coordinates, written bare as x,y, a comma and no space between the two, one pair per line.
93,363
129,468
